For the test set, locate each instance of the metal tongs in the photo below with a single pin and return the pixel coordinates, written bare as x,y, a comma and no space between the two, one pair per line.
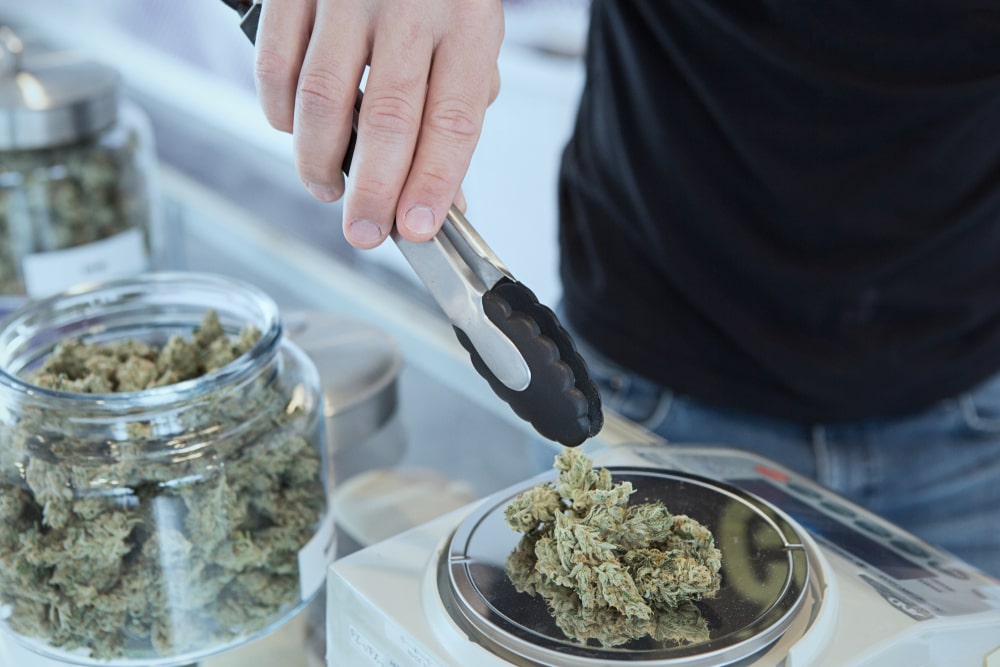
514,342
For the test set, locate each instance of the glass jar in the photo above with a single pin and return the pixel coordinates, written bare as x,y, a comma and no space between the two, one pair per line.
76,175
159,526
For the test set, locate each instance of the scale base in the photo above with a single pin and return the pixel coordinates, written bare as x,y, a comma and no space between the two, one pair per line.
385,607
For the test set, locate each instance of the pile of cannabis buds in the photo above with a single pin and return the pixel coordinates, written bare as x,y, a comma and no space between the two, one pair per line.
180,555
607,570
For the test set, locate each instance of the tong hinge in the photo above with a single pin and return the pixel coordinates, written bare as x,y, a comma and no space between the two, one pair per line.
249,11
458,269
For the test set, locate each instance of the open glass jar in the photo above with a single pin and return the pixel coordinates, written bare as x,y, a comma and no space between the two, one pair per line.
159,526
77,166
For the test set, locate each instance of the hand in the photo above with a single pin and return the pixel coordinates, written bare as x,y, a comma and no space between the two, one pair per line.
433,72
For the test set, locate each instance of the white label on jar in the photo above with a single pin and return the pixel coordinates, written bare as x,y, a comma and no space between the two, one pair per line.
46,273
315,556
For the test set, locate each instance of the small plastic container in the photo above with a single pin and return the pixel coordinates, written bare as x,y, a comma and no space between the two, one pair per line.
160,526
77,175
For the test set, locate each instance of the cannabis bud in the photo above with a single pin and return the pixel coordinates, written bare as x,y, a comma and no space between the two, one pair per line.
610,571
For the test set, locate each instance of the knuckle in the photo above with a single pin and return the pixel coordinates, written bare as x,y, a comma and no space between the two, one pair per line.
455,119
275,80
390,113
372,192
321,92
272,68
434,185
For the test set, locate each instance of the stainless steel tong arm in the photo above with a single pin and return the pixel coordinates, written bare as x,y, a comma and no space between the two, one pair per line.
457,271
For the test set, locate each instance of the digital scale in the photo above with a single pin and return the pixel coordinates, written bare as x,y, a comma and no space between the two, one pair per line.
808,578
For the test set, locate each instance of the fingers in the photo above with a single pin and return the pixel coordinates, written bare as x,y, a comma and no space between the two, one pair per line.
281,42
326,90
389,122
307,77
462,83
433,74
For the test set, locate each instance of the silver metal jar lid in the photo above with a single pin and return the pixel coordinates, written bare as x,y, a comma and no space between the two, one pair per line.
359,367
51,98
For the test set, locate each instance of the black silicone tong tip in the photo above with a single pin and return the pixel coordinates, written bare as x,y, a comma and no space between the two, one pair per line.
561,402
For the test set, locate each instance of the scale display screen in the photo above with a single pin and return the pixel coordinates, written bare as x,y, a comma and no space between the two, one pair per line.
837,533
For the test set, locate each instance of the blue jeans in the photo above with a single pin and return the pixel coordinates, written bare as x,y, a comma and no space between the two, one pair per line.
935,473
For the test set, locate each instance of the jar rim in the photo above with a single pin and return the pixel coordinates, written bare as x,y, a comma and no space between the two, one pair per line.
86,300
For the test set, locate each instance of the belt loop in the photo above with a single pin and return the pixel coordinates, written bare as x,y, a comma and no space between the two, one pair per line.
825,468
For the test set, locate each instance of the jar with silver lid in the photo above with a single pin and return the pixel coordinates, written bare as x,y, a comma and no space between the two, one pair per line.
76,175
160,502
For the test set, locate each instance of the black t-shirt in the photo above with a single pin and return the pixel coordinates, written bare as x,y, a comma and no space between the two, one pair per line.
789,206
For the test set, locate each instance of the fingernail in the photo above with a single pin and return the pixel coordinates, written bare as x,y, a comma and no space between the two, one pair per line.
364,232
321,192
419,220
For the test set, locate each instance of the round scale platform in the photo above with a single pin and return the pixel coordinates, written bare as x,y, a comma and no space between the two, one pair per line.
765,576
